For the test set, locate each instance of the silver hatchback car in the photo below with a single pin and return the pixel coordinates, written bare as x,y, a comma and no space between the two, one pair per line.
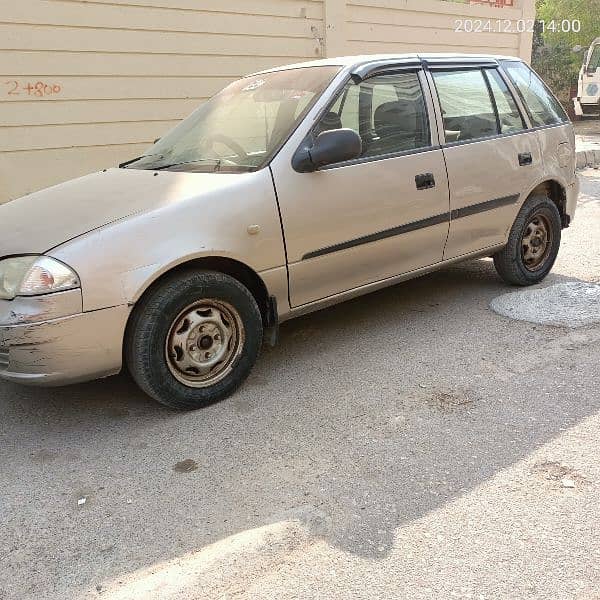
290,190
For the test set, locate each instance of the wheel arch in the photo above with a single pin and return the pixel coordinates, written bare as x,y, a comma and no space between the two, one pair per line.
240,271
557,193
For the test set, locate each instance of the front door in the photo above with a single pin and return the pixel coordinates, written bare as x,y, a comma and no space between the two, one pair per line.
383,214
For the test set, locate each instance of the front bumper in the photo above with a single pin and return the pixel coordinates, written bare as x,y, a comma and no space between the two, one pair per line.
64,350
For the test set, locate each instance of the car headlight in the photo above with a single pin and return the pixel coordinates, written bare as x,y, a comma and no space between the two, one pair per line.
34,275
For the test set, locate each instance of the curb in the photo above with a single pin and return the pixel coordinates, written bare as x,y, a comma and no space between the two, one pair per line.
588,158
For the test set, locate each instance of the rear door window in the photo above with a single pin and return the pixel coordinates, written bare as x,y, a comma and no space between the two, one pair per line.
467,108
542,106
509,117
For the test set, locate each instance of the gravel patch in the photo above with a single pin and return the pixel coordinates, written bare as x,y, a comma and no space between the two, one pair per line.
572,304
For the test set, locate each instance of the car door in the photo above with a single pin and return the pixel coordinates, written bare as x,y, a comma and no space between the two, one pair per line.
490,156
385,213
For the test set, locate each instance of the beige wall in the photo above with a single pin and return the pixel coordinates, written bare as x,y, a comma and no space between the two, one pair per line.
116,75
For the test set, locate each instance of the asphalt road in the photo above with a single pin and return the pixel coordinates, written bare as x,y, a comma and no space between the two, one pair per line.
407,444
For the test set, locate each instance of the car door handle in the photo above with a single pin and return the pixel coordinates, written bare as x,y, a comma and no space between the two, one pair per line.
425,181
525,159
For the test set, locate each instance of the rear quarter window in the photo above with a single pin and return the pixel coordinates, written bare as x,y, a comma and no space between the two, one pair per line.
543,108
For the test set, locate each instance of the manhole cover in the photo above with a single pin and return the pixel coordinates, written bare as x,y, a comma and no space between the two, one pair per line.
572,304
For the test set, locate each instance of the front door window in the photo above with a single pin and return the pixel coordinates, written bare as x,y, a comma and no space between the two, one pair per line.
387,111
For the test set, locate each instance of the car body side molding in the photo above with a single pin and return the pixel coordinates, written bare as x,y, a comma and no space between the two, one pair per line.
445,217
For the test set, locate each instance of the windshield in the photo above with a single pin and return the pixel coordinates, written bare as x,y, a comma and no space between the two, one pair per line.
242,127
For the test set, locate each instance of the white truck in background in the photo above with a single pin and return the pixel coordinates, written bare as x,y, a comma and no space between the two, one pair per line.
587,101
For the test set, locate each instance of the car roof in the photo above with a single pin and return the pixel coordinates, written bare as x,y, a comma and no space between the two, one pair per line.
353,62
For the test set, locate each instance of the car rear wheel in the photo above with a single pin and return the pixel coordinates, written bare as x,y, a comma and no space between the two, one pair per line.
193,339
533,243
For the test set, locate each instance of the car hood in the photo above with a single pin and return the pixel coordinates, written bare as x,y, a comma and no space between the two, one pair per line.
43,220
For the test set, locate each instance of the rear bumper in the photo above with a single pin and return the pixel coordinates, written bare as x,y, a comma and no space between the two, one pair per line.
572,196
64,350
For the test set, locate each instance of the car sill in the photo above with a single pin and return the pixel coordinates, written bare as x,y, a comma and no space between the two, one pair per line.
376,285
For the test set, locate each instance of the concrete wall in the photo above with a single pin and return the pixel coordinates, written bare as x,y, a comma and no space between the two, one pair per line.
87,84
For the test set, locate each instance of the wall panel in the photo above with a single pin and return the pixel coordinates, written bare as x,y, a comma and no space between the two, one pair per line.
115,75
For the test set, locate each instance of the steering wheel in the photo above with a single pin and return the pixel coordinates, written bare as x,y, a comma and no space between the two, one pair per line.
211,140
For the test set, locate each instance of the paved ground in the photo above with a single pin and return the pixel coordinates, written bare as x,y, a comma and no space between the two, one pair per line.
409,444
587,127
587,133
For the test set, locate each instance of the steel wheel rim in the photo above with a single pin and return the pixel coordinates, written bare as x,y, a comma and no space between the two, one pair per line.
203,343
536,243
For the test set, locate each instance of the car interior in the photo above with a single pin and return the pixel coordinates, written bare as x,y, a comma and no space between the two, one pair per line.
387,112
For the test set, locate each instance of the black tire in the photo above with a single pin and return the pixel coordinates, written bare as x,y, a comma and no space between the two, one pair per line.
151,329
511,262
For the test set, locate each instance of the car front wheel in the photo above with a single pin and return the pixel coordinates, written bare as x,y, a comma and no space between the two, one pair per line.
193,339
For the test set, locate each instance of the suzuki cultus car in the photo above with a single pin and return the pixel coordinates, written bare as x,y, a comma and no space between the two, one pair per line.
290,190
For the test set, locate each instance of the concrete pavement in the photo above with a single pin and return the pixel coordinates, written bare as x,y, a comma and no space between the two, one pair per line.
408,444
587,141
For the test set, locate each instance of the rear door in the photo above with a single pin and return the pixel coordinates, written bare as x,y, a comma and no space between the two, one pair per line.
491,158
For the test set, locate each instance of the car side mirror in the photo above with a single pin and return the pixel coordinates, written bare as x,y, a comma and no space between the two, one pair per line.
334,146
